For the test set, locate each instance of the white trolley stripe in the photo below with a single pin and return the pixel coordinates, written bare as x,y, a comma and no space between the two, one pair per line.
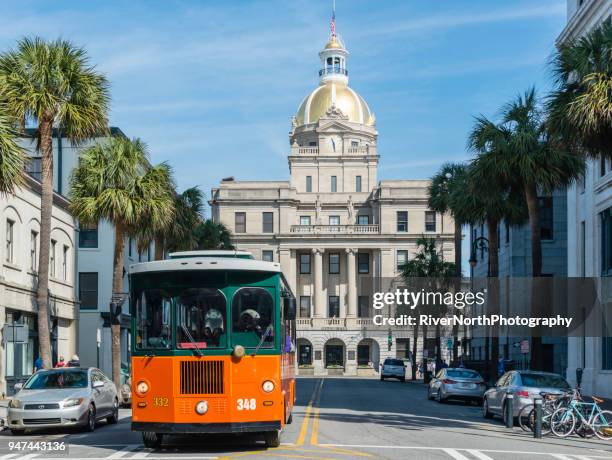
479,455
455,454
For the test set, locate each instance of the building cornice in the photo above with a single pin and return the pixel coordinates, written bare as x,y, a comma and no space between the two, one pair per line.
584,15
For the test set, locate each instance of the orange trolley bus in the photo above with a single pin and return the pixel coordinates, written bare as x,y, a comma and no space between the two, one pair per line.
213,346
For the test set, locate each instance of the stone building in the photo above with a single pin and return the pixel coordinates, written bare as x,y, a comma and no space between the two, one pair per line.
338,232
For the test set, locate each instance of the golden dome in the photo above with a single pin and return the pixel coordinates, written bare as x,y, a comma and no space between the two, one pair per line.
344,98
333,43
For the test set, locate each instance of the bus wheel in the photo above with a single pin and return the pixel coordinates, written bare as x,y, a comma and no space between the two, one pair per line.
272,438
152,440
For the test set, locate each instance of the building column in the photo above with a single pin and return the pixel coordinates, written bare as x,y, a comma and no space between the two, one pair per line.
319,301
351,282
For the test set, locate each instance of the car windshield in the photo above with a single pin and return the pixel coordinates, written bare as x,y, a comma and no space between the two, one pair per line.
462,374
544,380
201,318
60,379
252,318
394,362
153,320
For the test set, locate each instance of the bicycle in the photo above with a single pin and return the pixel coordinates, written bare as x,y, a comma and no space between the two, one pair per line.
589,415
550,403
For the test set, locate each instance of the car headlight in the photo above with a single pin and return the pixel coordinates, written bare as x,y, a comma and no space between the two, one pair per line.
142,387
267,386
73,402
15,404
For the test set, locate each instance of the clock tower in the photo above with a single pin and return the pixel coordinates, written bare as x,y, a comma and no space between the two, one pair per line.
333,134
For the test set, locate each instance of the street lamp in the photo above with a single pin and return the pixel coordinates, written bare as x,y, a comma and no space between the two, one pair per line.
481,243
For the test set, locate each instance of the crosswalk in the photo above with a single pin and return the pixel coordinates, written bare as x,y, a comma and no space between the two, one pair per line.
139,452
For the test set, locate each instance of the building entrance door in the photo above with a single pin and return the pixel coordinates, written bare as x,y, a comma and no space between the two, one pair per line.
334,355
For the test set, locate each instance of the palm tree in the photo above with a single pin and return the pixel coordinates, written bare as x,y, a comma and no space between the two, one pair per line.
429,271
115,182
180,234
213,235
580,108
12,157
449,180
52,83
527,155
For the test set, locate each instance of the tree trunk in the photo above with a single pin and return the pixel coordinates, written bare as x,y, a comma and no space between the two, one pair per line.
493,295
159,248
533,208
117,294
46,209
458,242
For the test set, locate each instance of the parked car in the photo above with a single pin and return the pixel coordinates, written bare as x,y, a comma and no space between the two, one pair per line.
393,368
456,383
524,386
125,393
70,396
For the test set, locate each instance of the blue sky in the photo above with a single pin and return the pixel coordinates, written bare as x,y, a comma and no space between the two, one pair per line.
211,85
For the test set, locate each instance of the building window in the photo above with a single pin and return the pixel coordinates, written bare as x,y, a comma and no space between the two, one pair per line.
358,184
402,221
546,217
52,259
149,252
602,166
308,184
10,240
268,222
334,184
33,251
606,353
240,222
334,263
334,306
65,263
34,168
354,143
606,242
363,262
267,256
88,236
363,306
130,243
430,221
363,220
507,232
88,291
304,306
402,258
312,143
304,220
334,220
304,264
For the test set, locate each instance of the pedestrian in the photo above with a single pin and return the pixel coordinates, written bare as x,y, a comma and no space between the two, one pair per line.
61,362
74,361
38,364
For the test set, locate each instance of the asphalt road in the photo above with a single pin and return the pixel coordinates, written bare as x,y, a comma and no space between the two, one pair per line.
339,418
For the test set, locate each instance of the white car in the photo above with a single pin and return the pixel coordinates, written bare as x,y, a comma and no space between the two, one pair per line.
393,368
64,397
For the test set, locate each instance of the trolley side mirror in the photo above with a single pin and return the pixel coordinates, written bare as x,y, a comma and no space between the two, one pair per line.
289,308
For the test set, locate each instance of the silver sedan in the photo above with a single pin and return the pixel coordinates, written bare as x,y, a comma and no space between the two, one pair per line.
63,397
456,383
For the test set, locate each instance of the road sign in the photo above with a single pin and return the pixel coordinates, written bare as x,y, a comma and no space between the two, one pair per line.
525,346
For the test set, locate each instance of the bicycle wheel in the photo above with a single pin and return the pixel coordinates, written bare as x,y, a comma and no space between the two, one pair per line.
602,425
524,417
547,413
562,422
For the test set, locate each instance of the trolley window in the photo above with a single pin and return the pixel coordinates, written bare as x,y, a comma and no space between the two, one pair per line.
253,318
201,318
153,331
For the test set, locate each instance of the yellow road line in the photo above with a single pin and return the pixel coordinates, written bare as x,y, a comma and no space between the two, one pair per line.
304,427
315,428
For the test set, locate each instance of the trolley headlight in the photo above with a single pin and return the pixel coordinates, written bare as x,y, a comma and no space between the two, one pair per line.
267,386
142,387
201,408
238,351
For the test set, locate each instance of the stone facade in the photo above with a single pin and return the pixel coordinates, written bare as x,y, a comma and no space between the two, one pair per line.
337,231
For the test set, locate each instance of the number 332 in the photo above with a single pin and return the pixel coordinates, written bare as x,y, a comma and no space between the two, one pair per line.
246,404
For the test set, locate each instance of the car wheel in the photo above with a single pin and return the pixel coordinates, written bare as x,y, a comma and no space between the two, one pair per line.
382,378
402,379
90,425
485,409
114,417
429,396
272,438
152,440
17,432
439,397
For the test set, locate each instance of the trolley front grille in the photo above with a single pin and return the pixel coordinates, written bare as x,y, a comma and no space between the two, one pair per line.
201,377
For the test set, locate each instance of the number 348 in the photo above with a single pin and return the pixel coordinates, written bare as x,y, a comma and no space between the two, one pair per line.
246,404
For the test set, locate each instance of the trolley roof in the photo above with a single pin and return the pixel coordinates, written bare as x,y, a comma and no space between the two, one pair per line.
205,263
